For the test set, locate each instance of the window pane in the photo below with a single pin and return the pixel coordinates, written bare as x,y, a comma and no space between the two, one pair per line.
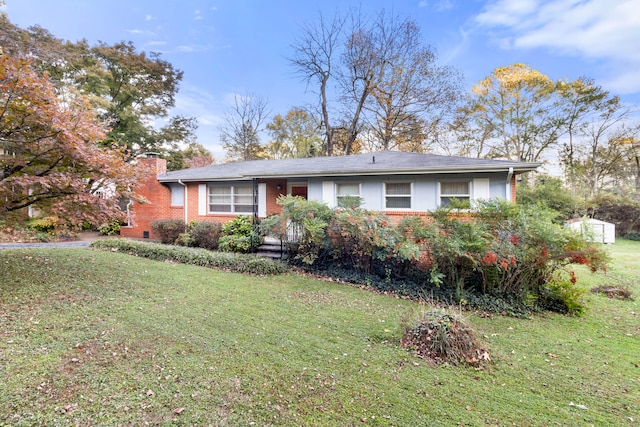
219,208
451,188
243,190
220,199
243,208
348,190
396,189
243,199
220,190
446,201
398,202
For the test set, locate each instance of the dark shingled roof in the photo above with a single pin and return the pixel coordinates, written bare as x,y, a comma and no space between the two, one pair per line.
379,163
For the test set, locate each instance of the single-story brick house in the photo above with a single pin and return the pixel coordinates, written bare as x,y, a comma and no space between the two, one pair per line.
397,183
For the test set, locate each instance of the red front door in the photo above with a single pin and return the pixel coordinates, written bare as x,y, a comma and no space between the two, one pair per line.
299,190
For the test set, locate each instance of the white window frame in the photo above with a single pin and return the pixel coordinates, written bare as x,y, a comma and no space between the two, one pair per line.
385,196
233,195
337,191
467,196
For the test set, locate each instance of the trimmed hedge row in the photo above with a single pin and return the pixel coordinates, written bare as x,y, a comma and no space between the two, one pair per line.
238,263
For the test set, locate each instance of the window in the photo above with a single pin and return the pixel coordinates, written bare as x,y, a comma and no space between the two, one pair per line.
459,190
177,194
397,195
231,198
347,194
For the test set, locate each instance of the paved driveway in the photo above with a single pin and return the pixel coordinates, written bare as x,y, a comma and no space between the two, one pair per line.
75,244
84,239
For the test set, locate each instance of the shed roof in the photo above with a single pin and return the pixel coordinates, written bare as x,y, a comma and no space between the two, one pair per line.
378,163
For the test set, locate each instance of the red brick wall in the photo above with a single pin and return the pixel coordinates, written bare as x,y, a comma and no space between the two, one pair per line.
273,193
158,204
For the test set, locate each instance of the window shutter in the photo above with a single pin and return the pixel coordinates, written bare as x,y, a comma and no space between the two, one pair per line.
202,199
481,189
262,200
328,193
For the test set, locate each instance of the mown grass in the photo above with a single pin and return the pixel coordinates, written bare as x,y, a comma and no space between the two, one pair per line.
100,338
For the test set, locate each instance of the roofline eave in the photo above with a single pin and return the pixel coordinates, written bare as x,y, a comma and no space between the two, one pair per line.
449,170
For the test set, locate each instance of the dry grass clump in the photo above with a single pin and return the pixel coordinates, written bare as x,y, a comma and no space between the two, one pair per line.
442,337
614,291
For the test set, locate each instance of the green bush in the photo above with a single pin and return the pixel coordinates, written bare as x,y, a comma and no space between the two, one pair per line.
498,251
46,224
240,263
168,230
110,229
621,211
205,234
301,226
633,236
239,236
361,238
560,294
184,239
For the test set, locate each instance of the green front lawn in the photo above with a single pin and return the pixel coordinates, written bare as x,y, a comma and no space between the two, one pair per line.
101,338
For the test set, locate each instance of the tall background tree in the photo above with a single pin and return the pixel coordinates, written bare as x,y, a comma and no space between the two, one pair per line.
243,124
512,114
294,135
49,152
129,90
392,88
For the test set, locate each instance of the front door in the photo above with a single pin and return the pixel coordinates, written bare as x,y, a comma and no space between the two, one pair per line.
299,190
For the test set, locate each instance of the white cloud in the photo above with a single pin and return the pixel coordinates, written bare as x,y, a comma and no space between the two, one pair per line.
601,30
439,5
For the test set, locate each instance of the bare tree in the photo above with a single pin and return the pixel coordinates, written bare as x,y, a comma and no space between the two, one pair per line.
394,83
314,57
390,85
240,133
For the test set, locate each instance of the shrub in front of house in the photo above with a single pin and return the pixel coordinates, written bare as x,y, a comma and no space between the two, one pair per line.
240,263
205,234
110,229
238,235
361,238
47,224
499,257
168,230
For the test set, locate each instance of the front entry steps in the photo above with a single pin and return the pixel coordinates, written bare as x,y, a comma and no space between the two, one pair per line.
272,248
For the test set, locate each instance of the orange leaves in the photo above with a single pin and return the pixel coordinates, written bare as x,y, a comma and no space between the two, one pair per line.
51,155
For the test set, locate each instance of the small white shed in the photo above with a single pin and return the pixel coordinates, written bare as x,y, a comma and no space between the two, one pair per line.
594,230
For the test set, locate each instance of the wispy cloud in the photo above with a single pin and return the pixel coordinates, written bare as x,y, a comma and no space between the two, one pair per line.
138,31
606,30
439,5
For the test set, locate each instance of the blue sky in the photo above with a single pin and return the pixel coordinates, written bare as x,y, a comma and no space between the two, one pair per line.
229,47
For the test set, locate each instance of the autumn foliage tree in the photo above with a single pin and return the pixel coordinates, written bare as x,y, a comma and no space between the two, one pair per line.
50,156
132,92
